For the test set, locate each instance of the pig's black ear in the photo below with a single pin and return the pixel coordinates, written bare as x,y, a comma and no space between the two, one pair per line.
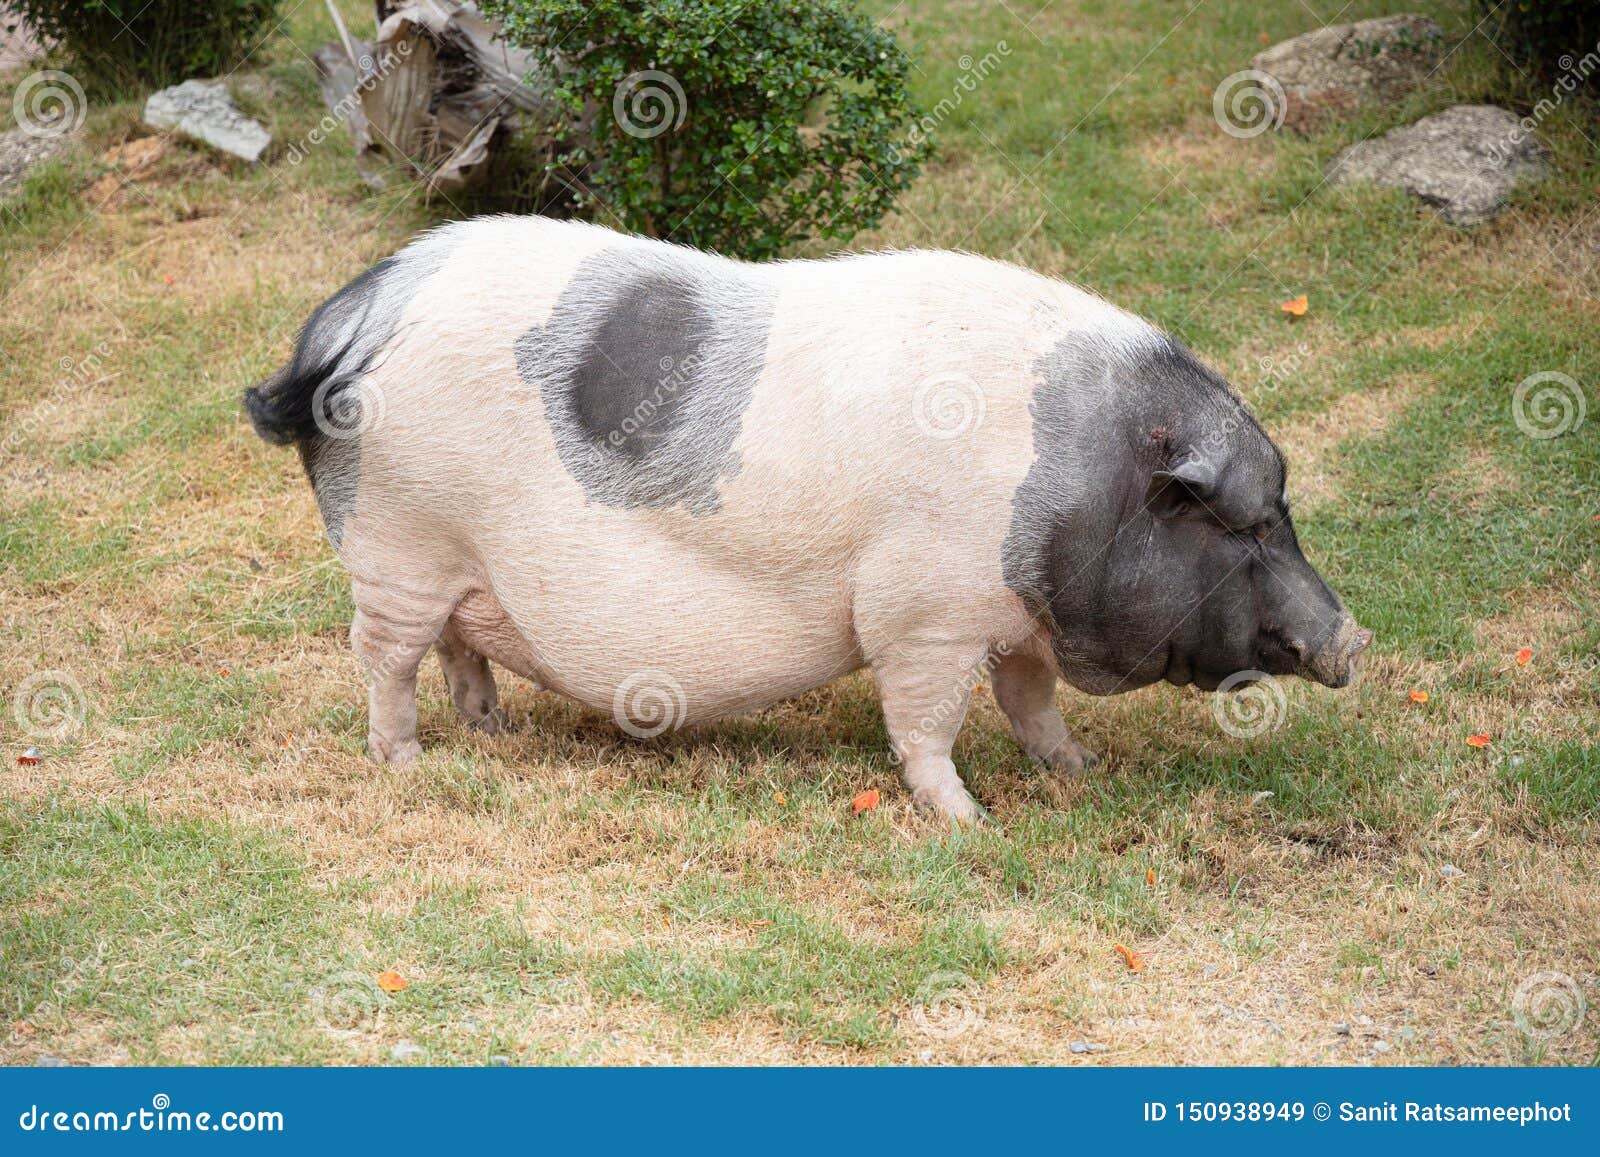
1192,476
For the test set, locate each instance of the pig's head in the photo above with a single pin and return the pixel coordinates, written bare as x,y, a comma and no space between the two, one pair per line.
1153,531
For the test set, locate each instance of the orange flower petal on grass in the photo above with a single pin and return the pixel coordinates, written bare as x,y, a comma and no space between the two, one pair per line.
1134,960
1297,307
1417,696
1480,740
783,800
865,801
1150,877
1524,656
391,981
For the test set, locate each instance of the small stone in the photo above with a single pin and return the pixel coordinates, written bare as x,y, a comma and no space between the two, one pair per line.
925,1056
1449,871
500,1061
405,1050
1342,1029
1262,796
1465,161
51,1063
202,109
1364,1021
1079,1046
1381,1046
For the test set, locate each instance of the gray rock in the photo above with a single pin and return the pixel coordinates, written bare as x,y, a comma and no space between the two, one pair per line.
21,152
202,109
1343,66
48,1062
405,1050
1079,1046
1464,160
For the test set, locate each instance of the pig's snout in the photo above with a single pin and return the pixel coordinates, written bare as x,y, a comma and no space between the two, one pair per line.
1334,658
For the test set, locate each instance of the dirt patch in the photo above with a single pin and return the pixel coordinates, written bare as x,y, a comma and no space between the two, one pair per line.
1311,445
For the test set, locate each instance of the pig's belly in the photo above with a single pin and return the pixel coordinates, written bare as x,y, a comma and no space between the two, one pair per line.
693,650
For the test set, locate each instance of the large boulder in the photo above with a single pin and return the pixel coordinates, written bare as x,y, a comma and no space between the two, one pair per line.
1464,160
202,109
1343,66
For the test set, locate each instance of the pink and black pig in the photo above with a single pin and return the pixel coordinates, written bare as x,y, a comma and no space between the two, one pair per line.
673,487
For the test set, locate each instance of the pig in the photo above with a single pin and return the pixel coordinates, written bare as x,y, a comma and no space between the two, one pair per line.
673,486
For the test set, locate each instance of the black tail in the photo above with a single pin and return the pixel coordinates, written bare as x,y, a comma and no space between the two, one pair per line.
275,410
335,348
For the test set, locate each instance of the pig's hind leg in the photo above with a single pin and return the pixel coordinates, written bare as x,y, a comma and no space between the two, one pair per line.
472,687
1025,688
390,635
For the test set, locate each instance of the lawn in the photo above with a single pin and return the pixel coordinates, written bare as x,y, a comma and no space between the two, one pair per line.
204,868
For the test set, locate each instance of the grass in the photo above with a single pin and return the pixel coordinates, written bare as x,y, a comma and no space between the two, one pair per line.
204,868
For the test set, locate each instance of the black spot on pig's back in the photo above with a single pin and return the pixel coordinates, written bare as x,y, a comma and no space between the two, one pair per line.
645,372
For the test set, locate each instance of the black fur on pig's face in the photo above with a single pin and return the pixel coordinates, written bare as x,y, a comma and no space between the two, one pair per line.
1152,532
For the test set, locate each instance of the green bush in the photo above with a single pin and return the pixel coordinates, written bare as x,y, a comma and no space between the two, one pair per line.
127,46
725,124
1542,34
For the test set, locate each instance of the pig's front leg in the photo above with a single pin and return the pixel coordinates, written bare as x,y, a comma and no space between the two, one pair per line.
925,691
1025,688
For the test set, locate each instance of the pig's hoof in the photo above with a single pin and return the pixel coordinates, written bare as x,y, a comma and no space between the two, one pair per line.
491,724
396,753
1070,759
952,803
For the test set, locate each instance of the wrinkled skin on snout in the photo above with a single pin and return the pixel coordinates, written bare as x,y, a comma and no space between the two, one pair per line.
1196,575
